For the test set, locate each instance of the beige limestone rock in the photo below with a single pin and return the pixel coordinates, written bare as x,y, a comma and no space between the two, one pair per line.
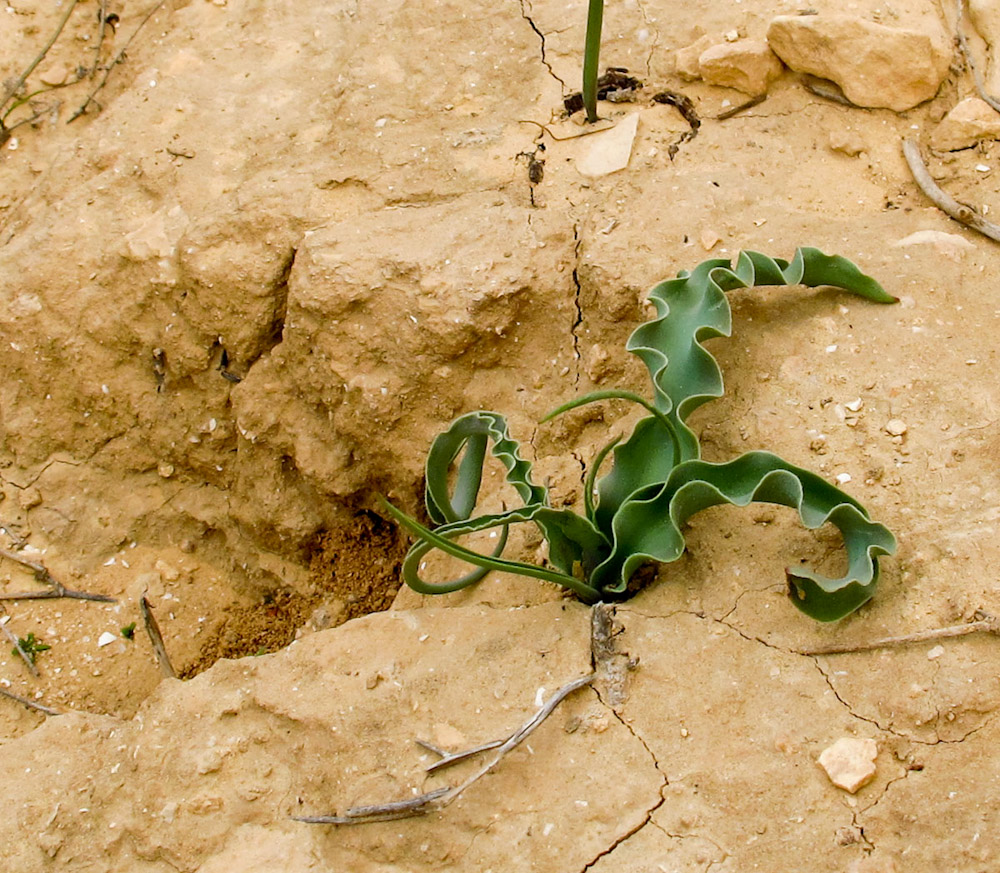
252,742
875,66
969,122
850,762
748,65
686,60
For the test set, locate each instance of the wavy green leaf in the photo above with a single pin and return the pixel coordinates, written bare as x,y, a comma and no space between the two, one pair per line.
472,432
647,526
693,308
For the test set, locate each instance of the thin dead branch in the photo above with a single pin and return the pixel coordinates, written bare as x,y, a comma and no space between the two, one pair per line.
156,638
963,45
55,589
114,62
29,703
983,625
20,649
441,797
18,83
945,202
741,107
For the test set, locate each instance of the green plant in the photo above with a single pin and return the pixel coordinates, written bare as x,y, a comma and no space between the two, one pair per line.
591,57
30,646
657,481
129,631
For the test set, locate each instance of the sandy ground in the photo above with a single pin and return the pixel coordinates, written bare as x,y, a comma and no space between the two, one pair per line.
241,294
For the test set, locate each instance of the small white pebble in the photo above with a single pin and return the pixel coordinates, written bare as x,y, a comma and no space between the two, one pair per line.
843,478
855,405
832,348
935,653
895,427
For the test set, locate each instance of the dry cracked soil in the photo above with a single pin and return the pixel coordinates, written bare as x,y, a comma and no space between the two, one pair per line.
287,243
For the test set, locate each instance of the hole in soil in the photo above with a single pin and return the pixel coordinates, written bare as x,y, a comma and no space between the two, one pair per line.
354,570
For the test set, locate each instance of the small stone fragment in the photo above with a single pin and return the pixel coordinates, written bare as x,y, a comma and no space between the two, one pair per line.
609,151
971,121
850,763
847,142
935,653
709,239
895,427
748,65
106,639
29,498
56,74
874,65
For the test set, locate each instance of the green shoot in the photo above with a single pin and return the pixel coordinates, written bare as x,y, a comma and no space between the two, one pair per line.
591,57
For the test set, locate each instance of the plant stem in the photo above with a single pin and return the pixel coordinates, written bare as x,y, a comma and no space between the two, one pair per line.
591,57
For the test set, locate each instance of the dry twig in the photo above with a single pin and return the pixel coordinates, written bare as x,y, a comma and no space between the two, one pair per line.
20,80
987,624
156,638
114,62
945,202
29,703
55,589
20,649
963,45
441,797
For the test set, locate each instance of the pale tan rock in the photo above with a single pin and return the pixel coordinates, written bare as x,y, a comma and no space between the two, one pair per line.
847,142
609,151
971,121
874,65
748,65
56,74
950,245
686,60
850,762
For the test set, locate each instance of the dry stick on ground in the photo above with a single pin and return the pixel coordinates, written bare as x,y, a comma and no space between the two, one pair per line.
945,202
114,62
20,80
20,650
156,638
56,588
963,46
987,625
29,703
441,797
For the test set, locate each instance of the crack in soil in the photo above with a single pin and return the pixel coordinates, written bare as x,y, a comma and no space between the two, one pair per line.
656,37
525,9
575,330
887,729
603,649
649,812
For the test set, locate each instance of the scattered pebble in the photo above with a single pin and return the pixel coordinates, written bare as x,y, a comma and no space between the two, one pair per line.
895,427
935,653
843,478
106,638
850,763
